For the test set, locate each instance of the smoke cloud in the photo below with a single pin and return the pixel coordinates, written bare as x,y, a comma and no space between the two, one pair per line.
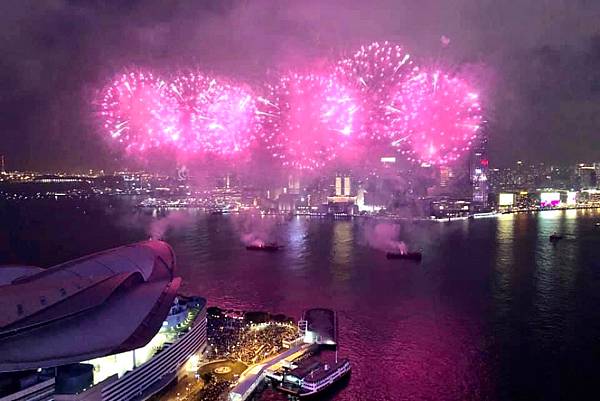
159,228
254,229
384,237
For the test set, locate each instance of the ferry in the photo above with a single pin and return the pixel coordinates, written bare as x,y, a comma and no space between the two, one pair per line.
415,256
321,377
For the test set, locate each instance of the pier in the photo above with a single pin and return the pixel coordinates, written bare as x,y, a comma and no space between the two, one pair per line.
255,374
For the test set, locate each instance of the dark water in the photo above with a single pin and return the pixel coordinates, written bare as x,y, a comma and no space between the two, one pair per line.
494,312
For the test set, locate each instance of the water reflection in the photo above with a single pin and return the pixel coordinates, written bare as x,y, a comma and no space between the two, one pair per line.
494,312
341,250
505,243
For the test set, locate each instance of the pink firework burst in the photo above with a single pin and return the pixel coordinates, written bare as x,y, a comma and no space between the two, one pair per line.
137,111
308,119
375,70
214,116
435,117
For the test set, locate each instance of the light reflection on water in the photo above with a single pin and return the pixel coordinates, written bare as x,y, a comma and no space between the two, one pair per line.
494,311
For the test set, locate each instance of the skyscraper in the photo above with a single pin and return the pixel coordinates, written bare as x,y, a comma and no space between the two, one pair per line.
479,172
343,185
587,175
2,169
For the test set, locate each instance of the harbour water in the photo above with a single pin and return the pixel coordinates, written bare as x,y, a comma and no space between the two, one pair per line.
494,311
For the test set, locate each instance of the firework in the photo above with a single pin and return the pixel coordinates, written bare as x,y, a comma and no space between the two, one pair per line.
375,70
308,119
137,111
435,117
214,117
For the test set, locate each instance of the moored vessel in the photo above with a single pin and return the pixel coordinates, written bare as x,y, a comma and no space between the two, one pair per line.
415,256
318,378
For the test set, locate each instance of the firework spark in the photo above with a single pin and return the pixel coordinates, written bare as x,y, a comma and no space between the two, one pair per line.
308,119
137,111
375,70
435,117
193,114
215,117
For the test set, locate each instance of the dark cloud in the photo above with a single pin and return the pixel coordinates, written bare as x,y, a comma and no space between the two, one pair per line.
537,61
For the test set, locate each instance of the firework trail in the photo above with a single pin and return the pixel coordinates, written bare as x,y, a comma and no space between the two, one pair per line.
375,70
215,117
308,119
137,111
435,117
193,114
373,100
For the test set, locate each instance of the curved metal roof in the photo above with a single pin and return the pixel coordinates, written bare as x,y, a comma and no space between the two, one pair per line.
108,301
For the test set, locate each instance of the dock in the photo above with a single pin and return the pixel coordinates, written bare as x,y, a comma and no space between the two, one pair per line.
255,374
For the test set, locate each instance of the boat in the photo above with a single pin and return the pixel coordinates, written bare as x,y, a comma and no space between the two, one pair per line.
320,378
555,237
416,256
265,247
324,377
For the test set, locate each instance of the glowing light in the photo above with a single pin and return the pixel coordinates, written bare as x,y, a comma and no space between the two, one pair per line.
375,99
136,111
308,119
214,116
435,117
193,113
375,70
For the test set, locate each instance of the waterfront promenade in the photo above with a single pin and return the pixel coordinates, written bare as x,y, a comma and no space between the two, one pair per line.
255,374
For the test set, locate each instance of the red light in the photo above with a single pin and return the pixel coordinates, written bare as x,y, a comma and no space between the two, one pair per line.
485,162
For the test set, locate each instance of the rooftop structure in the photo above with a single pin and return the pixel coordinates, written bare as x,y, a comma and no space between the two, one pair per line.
60,315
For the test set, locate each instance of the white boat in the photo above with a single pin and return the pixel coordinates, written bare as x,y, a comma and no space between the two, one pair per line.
320,378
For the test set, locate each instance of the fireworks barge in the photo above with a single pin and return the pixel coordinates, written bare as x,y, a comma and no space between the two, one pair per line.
414,256
265,247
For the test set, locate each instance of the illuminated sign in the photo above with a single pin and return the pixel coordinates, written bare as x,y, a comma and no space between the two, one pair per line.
506,199
571,198
549,198
388,160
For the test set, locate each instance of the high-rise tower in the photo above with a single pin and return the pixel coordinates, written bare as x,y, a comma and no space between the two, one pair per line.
479,173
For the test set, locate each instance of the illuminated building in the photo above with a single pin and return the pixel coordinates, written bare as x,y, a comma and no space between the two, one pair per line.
506,200
343,202
479,173
446,174
343,185
587,175
293,185
446,207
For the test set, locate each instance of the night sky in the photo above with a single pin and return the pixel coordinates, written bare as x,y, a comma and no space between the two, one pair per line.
537,62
